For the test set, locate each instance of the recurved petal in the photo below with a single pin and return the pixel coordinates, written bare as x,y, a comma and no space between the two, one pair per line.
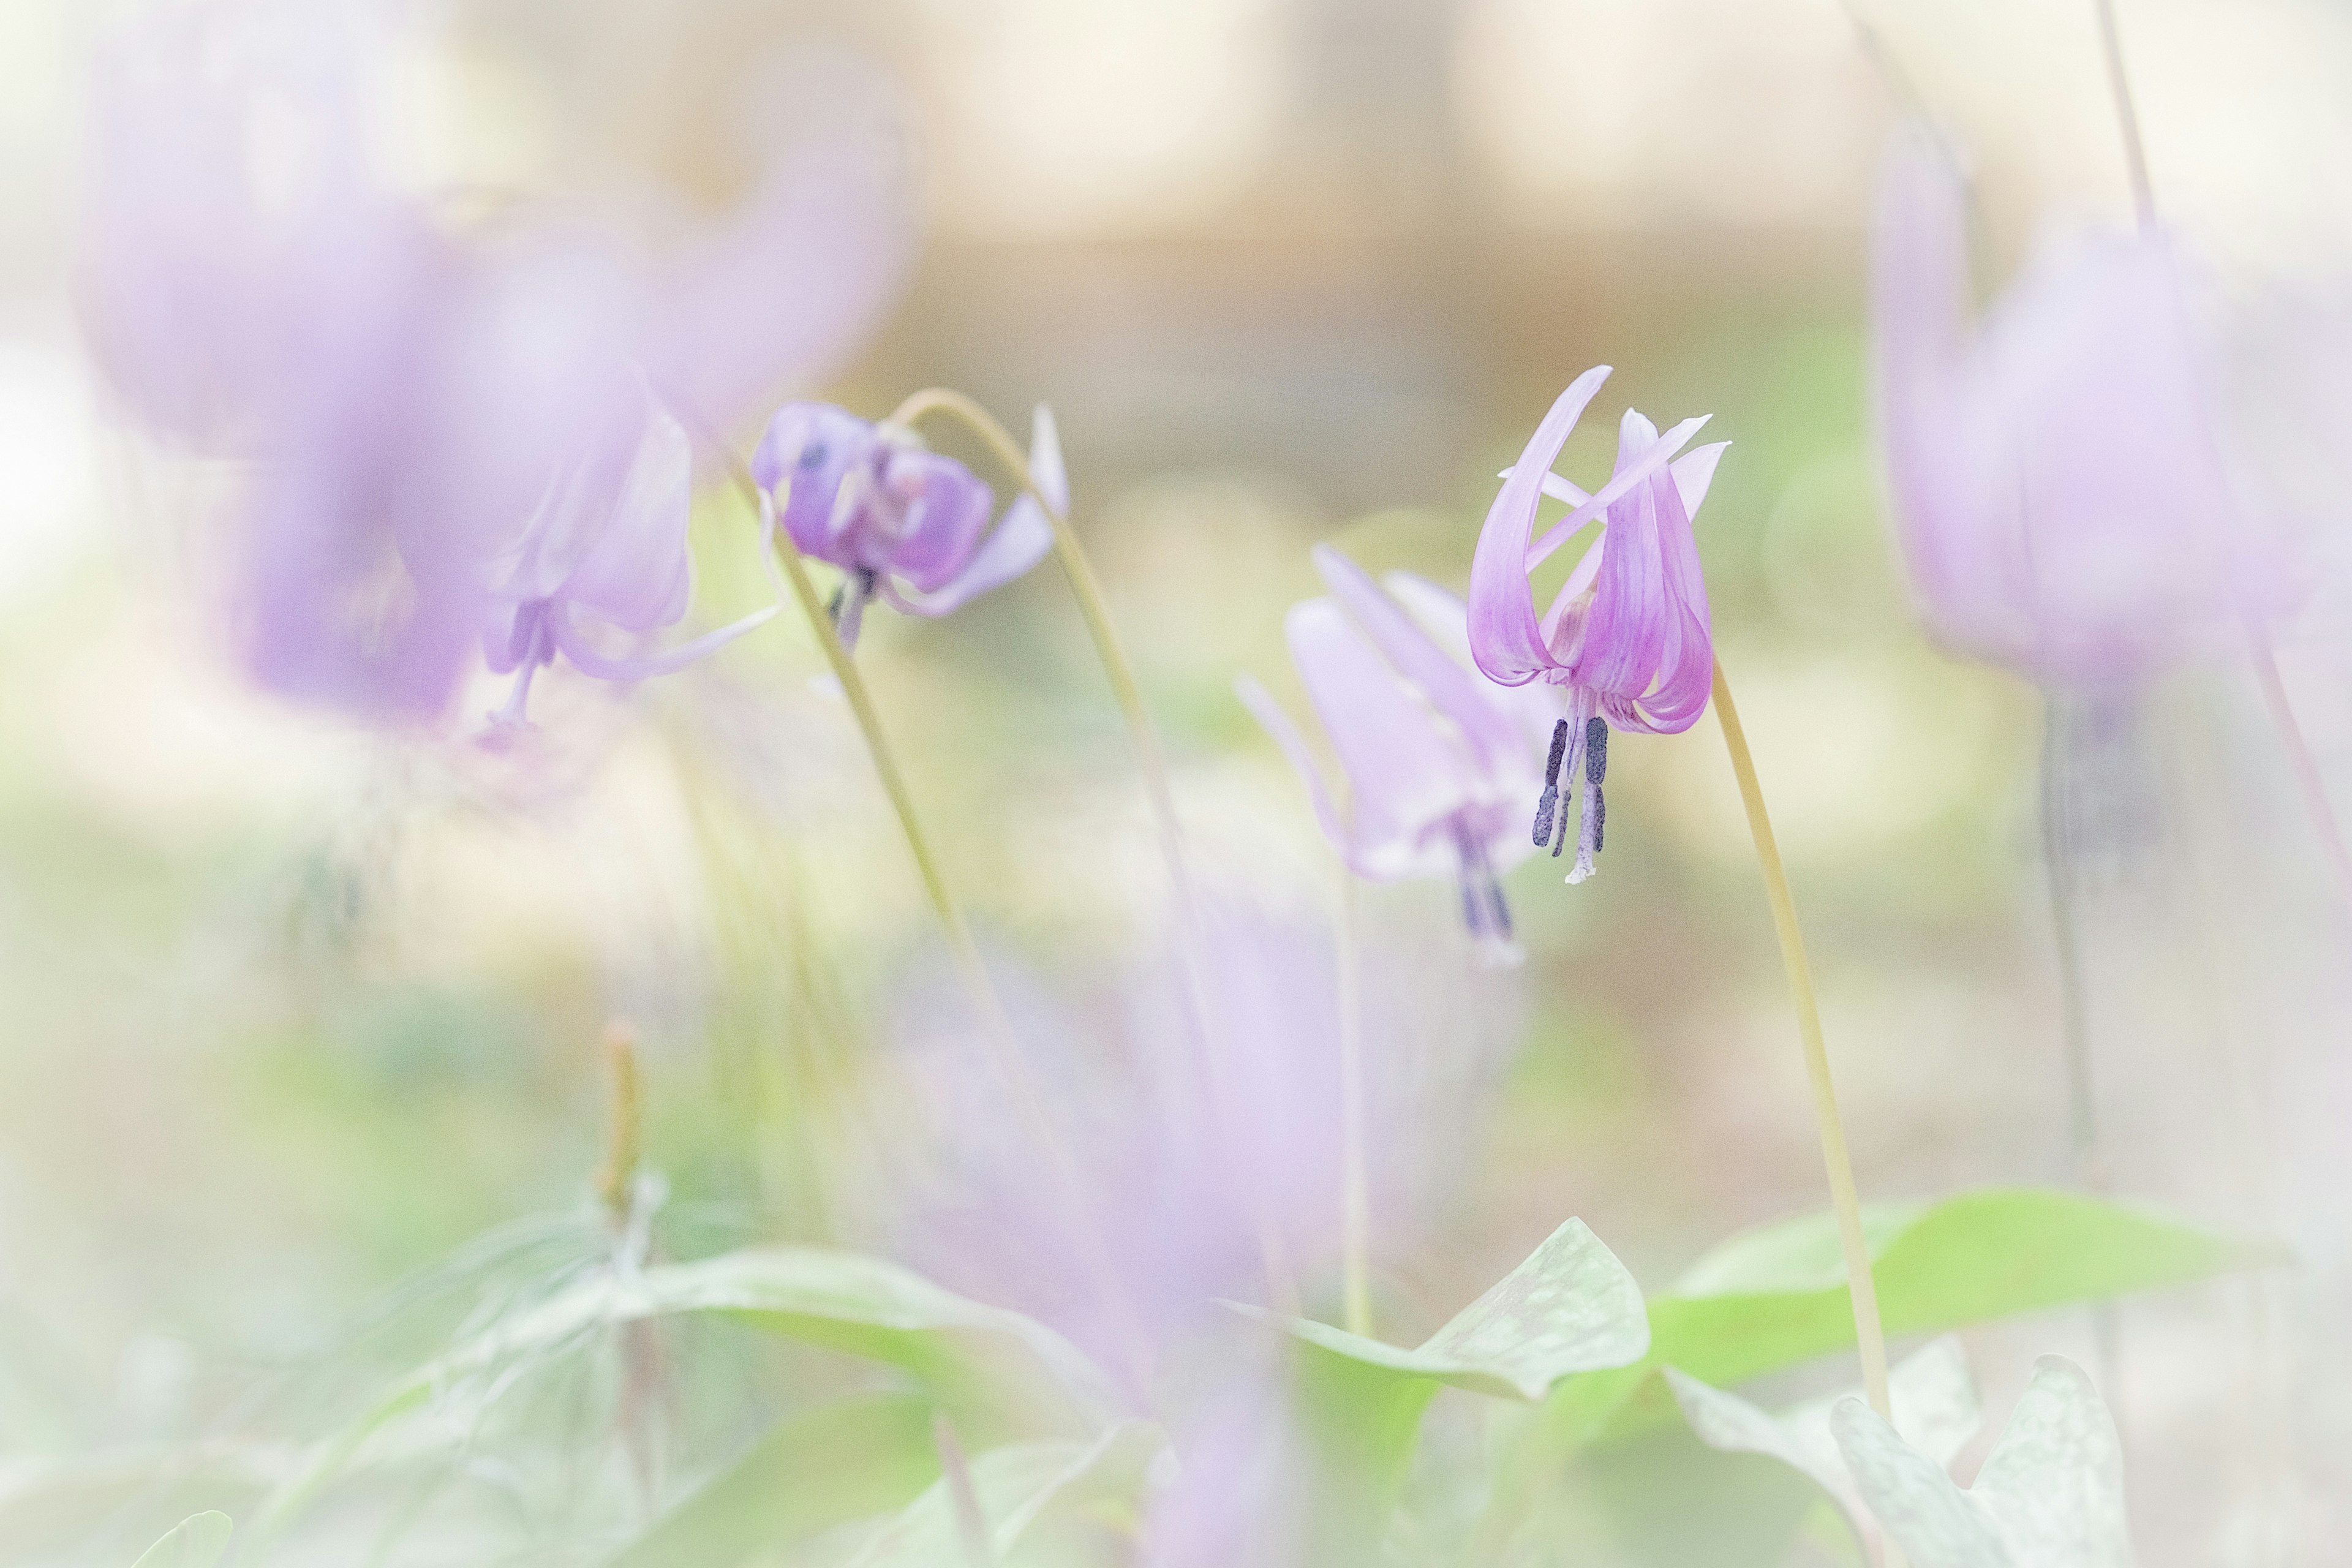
1457,692
942,509
1534,707
586,658
1020,541
1405,774
1504,636
637,574
812,448
1277,723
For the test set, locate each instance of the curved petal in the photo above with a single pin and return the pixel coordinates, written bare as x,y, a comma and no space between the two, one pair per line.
1020,541
1405,773
585,657
815,447
636,576
1620,483
1504,636
1694,473
1534,707
1457,691
1277,723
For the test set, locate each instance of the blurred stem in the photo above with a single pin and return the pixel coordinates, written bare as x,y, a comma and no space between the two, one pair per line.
624,1138
1869,1335
1355,1201
2111,44
1281,1282
2306,767
2087,1154
972,1522
1011,1062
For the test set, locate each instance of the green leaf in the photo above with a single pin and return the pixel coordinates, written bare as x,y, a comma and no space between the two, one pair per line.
1572,1307
994,1369
198,1542
1776,1297
2049,1495
1018,1488
812,1472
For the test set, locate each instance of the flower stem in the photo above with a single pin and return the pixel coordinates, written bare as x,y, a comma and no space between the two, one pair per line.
2305,765
2085,1146
1355,1201
1868,1335
1281,1283
1010,1061
2127,114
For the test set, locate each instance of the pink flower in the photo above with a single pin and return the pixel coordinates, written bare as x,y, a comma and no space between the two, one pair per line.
1437,757
2056,474
1628,634
607,544
903,522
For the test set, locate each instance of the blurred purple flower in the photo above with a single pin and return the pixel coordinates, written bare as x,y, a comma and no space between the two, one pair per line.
1175,1185
609,547
408,405
1627,634
1438,759
903,524
2056,470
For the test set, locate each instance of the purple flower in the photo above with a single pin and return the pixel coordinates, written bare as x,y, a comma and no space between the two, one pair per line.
1436,756
903,524
607,544
409,406
2061,491
1627,634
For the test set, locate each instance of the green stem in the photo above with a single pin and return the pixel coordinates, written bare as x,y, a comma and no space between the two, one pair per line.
1010,1061
1868,1335
2111,44
1281,1283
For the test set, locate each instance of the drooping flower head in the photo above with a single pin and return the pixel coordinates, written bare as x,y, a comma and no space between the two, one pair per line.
607,544
1438,758
2056,470
1627,636
903,524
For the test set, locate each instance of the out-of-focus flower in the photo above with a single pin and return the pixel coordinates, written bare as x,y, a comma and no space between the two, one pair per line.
1436,756
1190,1150
605,547
406,403
2057,469
903,522
1627,636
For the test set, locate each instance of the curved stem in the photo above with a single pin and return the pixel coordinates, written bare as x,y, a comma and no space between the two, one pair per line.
1281,1283
1869,1335
2305,766
1010,1061
1355,1201
2111,44
2084,1142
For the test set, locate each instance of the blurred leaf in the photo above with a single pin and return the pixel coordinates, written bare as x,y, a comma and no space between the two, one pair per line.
995,1369
2049,1495
814,1471
1572,1307
199,1541
1017,1487
49,1507
1936,1410
1775,1297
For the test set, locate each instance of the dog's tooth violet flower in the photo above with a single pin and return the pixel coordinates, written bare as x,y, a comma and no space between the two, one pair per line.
2059,490
607,544
1437,757
1627,636
903,524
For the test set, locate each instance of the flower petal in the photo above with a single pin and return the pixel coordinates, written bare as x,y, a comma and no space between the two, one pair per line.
587,659
1277,723
1504,636
1020,539
637,574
